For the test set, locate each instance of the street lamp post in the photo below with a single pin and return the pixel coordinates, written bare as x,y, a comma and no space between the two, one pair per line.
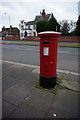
9,24
9,19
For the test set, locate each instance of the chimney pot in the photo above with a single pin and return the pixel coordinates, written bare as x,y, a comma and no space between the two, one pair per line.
43,14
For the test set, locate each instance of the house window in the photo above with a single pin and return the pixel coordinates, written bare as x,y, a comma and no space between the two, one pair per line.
22,27
28,26
30,34
34,26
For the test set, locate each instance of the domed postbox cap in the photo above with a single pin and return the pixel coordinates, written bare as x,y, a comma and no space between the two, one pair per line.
49,34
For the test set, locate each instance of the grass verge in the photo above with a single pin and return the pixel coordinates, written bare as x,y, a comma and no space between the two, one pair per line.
32,44
69,45
37,44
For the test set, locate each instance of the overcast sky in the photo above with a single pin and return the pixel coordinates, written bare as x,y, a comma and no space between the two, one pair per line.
28,9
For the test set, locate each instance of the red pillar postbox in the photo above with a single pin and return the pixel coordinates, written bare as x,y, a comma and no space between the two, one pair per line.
48,58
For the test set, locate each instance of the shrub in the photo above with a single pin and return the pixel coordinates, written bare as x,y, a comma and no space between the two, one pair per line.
41,26
44,25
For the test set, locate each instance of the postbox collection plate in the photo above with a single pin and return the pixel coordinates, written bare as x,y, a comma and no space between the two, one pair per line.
46,51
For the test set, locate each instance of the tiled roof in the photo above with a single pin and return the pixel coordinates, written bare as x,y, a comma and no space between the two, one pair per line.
14,30
39,17
30,23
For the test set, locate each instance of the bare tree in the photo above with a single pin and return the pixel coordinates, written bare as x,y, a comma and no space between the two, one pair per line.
67,26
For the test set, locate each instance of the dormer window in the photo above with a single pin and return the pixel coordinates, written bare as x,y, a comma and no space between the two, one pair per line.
28,26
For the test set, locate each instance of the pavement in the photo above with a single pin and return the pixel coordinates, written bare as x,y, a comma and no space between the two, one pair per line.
22,99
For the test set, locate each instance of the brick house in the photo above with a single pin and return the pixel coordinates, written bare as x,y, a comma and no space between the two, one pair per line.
29,28
9,32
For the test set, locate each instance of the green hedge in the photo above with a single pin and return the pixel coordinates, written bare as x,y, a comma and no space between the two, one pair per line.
44,25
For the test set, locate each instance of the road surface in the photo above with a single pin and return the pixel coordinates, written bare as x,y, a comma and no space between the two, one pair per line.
67,58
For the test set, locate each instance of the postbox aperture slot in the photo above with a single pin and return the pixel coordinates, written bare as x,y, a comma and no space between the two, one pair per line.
45,42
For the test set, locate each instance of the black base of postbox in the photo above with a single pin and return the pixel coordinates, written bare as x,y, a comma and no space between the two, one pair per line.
46,82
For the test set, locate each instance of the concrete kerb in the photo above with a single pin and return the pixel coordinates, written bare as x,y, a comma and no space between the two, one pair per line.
21,64
36,70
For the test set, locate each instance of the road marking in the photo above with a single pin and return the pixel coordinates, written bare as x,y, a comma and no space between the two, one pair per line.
35,66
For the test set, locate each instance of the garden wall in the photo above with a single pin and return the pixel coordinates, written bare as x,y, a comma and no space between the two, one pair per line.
36,38
60,39
12,38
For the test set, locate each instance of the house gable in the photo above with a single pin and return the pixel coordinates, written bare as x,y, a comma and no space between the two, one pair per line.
30,26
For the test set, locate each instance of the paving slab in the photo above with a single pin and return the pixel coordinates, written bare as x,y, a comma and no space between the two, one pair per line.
7,83
0,85
36,70
7,108
15,71
70,81
68,77
26,111
16,93
39,99
20,73
30,79
1,96
0,70
6,68
0,108
73,85
65,105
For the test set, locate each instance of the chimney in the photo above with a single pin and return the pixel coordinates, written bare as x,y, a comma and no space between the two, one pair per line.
10,26
43,14
3,28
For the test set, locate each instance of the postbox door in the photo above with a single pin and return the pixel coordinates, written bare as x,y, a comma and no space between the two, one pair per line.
47,60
